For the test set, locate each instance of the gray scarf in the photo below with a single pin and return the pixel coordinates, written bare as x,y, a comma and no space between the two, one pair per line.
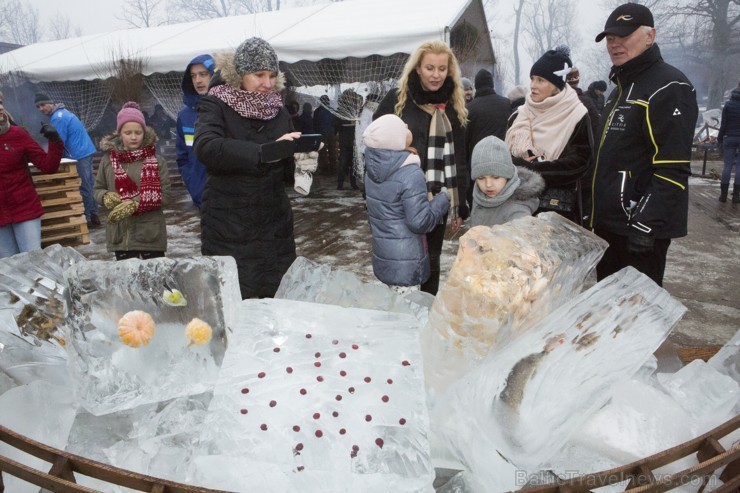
483,200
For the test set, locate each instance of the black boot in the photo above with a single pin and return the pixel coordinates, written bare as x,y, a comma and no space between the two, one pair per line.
723,188
736,194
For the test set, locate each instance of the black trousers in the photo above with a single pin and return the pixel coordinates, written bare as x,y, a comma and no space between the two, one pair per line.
618,256
434,247
142,254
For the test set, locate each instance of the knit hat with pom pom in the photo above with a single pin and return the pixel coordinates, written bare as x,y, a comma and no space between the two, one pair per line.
553,66
130,113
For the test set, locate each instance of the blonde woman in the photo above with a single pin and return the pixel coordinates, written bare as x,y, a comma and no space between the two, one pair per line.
431,101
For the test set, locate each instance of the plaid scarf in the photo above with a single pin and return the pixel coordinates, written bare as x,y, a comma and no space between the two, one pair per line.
149,191
441,171
249,104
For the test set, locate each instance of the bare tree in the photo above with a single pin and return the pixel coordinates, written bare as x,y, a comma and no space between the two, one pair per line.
62,28
19,22
517,31
254,6
142,13
187,10
549,23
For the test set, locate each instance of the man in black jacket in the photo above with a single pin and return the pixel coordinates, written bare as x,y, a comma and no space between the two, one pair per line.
640,184
487,115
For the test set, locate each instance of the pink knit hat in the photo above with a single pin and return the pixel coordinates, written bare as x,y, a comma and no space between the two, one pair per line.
130,113
387,132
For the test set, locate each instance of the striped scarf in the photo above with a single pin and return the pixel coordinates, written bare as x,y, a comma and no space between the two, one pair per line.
441,170
149,190
249,104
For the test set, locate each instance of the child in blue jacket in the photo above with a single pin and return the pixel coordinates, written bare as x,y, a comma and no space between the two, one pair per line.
398,205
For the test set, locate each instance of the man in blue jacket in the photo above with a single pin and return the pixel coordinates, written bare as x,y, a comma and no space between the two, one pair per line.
77,145
195,82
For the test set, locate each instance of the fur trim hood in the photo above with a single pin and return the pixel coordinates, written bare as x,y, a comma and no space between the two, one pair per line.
531,184
113,142
226,72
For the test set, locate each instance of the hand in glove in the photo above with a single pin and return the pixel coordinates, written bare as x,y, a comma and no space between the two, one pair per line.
123,210
639,242
463,211
111,200
50,132
306,161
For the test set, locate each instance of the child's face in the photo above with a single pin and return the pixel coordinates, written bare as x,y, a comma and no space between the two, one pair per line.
491,185
132,136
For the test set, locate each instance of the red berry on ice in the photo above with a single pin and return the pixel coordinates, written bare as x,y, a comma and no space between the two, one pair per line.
316,415
289,369
245,391
319,433
379,442
385,398
303,392
300,468
308,336
299,446
273,403
355,346
367,379
342,431
335,342
338,397
318,355
244,411
343,373
276,350
405,363
261,374
335,414
317,364
297,428
320,378
390,381
351,390
368,418
402,421
342,355
263,427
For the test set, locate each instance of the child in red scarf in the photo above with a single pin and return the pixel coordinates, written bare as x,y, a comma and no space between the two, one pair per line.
133,184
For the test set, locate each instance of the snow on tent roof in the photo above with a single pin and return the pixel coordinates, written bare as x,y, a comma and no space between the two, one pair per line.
334,30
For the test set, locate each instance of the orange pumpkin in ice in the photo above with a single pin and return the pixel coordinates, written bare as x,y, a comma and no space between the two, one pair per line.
136,328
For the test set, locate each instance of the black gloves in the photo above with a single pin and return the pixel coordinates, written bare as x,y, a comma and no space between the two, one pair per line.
51,134
463,211
639,242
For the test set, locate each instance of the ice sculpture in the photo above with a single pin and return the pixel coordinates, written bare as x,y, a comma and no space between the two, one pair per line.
32,286
41,411
504,280
727,359
307,280
316,397
529,397
111,376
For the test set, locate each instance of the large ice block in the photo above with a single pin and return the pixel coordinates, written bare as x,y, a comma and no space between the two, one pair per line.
41,411
112,376
307,280
529,397
727,359
317,398
504,280
32,286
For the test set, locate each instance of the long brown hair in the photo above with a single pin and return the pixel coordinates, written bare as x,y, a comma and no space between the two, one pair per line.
435,47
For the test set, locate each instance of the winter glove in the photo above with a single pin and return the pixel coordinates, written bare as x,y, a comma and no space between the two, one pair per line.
50,132
123,210
445,191
463,211
639,242
111,200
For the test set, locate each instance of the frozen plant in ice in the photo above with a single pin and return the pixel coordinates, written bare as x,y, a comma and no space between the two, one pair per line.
174,297
136,328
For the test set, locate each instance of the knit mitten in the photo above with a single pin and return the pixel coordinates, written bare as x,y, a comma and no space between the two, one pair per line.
111,200
123,210
306,161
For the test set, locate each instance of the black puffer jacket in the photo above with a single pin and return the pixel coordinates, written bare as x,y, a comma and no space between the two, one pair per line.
418,121
730,117
645,149
245,213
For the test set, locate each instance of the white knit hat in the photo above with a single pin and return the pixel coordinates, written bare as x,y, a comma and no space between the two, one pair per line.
387,132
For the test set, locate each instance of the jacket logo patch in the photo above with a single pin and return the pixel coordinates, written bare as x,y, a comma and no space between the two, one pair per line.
676,112
620,118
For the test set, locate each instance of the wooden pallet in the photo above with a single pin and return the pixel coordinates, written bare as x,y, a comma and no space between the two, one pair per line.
64,214
709,452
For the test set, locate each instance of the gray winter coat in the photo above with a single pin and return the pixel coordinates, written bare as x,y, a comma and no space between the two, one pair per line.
400,215
523,202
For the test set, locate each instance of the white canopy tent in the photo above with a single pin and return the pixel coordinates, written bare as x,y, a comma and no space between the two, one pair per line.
337,30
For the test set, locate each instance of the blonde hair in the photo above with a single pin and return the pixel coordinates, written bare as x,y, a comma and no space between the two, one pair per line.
434,47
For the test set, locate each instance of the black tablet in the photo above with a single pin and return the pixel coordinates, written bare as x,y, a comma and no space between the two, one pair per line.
280,149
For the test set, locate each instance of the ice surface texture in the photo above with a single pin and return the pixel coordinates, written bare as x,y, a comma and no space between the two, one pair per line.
504,280
316,397
529,397
307,280
111,376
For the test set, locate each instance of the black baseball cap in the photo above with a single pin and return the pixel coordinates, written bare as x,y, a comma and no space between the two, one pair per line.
625,19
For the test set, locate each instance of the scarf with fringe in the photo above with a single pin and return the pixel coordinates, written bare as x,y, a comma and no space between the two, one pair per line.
545,127
249,104
149,190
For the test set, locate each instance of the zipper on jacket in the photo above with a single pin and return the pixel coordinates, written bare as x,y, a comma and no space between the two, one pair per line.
598,154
